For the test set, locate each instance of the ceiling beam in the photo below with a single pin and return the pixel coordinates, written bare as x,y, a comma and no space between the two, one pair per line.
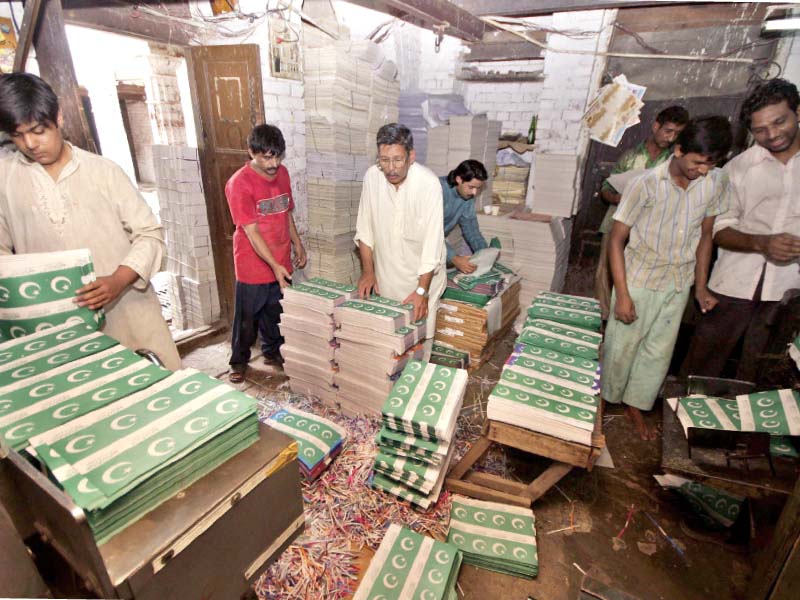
117,16
532,8
432,13
501,45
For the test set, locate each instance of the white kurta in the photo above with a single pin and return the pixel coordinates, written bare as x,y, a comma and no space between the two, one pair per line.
92,205
405,230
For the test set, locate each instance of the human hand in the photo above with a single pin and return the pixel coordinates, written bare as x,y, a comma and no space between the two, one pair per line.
420,304
282,276
705,299
462,264
782,247
300,257
367,285
101,291
624,309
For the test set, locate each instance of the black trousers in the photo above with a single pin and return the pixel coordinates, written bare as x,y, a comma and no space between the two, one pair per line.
257,310
718,332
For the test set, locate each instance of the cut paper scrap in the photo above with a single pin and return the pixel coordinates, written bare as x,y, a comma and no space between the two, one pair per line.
615,109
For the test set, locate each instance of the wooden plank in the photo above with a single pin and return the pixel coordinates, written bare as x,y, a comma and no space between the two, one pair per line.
471,75
515,8
30,19
551,476
472,456
540,444
497,483
517,50
483,493
697,16
56,68
429,13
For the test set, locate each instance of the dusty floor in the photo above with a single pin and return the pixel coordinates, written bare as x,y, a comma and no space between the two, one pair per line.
641,563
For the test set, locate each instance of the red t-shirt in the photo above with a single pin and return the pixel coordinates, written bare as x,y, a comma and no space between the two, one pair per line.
254,199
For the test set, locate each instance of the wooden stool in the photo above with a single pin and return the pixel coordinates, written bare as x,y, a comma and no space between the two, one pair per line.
486,486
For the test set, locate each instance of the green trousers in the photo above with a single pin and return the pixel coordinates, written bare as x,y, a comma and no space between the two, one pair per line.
636,356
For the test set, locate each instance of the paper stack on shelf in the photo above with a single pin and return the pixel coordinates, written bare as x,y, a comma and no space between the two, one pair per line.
553,189
332,257
423,405
336,166
37,291
410,107
438,150
495,536
319,440
376,339
410,565
332,205
123,460
308,329
467,138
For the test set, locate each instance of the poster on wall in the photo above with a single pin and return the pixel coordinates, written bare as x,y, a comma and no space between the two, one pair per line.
284,48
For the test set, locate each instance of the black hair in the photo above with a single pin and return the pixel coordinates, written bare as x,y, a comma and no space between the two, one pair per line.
709,136
773,91
26,98
468,170
266,139
395,133
673,114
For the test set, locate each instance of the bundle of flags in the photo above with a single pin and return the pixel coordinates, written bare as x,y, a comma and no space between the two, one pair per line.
319,440
37,291
551,382
495,536
415,442
411,565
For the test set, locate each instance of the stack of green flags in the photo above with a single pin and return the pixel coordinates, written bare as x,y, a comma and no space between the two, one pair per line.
123,460
578,311
37,291
567,339
419,420
410,565
494,536
717,508
449,357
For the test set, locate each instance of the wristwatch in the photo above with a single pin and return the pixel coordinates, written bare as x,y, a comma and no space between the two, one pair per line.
421,291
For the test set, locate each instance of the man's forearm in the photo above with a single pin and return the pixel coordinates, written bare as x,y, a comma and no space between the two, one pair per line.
367,261
425,280
293,235
616,260
259,245
732,239
611,197
703,254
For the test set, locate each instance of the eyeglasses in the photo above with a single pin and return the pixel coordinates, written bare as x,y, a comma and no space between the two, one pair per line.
395,162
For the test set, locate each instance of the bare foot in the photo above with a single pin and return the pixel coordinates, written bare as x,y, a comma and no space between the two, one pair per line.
635,415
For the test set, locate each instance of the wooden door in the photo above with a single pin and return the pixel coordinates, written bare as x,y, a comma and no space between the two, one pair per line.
226,93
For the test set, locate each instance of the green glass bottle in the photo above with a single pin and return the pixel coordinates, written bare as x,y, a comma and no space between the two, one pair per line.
532,130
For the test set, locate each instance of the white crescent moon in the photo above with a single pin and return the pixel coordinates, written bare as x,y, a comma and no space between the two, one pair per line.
395,402
232,402
562,408
772,424
34,345
401,389
439,385
480,516
84,487
139,379
309,452
66,335
479,545
410,544
89,347
30,285
499,548
425,594
17,331
74,446
435,398
123,422
301,423
113,362
563,373
19,432
768,414
104,394
542,401
4,294
326,434
79,375
314,427
399,562
435,576
288,418
4,405
499,520
428,411
153,405
41,390
190,426
62,413
764,402
190,387
57,359
57,286
567,393
511,376
585,414
108,476
153,450
517,523
548,387
502,391
460,512
520,553
457,539
390,581
442,557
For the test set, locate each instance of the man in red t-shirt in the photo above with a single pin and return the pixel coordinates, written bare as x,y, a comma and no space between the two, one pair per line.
260,200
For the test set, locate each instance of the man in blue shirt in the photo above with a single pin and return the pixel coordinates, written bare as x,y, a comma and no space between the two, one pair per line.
459,189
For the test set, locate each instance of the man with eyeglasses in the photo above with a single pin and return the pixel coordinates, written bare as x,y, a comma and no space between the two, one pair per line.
260,200
400,229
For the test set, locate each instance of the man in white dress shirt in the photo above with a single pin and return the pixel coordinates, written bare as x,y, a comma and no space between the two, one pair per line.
400,231
759,237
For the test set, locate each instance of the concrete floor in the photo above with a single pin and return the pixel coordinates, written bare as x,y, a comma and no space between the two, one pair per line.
641,563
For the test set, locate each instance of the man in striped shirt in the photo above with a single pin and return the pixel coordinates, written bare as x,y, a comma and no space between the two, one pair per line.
667,216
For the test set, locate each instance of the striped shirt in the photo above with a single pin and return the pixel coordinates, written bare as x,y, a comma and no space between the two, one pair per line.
665,222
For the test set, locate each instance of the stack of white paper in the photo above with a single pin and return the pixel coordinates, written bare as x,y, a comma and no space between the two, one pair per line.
552,190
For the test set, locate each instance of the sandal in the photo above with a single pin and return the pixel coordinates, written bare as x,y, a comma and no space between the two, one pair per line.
236,377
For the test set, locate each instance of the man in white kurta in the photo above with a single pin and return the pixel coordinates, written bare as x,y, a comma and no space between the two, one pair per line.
90,204
400,222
